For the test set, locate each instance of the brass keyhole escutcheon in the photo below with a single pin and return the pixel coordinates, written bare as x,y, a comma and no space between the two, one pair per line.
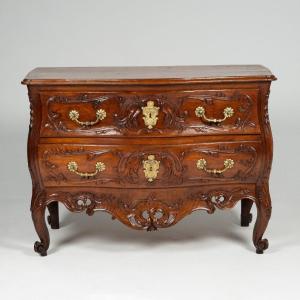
151,168
150,114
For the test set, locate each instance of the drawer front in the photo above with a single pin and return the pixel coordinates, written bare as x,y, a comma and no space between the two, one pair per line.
178,113
147,166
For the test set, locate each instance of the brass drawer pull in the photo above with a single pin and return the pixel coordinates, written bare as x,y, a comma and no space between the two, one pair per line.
228,164
200,112
100,115
73,167
150,113
151,168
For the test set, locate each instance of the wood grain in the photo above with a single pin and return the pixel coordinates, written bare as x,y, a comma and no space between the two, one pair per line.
123,143
147,75
124,116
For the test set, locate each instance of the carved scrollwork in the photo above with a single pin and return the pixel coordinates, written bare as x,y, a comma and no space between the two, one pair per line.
131,109
58,177
266,109
169,167
31,120
56,119
153,211
248,161
130,164
224,198
244,109
129,116
76,202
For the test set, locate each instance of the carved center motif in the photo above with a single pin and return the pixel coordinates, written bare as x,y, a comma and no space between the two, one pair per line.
151,214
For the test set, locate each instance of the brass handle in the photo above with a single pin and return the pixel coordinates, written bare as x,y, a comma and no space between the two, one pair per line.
228,164
151,168
73,167
150,113
74,116
200,112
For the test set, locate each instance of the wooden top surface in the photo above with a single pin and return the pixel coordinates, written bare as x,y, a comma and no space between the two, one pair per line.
147,75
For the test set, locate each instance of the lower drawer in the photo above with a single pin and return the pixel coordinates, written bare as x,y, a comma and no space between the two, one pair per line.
149,166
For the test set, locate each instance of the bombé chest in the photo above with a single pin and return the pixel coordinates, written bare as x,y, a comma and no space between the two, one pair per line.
149,145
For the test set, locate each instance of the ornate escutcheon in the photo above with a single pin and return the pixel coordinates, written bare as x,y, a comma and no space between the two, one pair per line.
150,113
151,168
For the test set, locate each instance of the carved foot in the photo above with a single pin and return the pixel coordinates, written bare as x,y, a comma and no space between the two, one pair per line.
264,209
53,218
261,246
40,248
246,216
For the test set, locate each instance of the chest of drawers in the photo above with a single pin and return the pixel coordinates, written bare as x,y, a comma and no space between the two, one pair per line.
149,145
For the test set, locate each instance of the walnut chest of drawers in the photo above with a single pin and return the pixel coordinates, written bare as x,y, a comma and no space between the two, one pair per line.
149,145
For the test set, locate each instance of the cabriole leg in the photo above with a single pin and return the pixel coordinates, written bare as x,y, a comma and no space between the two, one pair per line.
38,216
246,216
264,209
53,218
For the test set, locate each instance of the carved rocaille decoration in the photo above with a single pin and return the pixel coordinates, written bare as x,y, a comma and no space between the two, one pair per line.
130,164
266,109
53,175
56,120
131,110
150,151
31,112
159,166
141,114
153,211
243,112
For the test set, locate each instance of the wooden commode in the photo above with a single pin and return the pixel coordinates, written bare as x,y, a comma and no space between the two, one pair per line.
149,145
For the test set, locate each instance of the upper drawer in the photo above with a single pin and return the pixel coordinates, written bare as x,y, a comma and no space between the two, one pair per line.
179,113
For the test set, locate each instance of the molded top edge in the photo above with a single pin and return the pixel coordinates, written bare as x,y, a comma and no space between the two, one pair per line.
147,75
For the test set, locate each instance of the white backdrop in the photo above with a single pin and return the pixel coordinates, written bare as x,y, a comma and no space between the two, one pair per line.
203,256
